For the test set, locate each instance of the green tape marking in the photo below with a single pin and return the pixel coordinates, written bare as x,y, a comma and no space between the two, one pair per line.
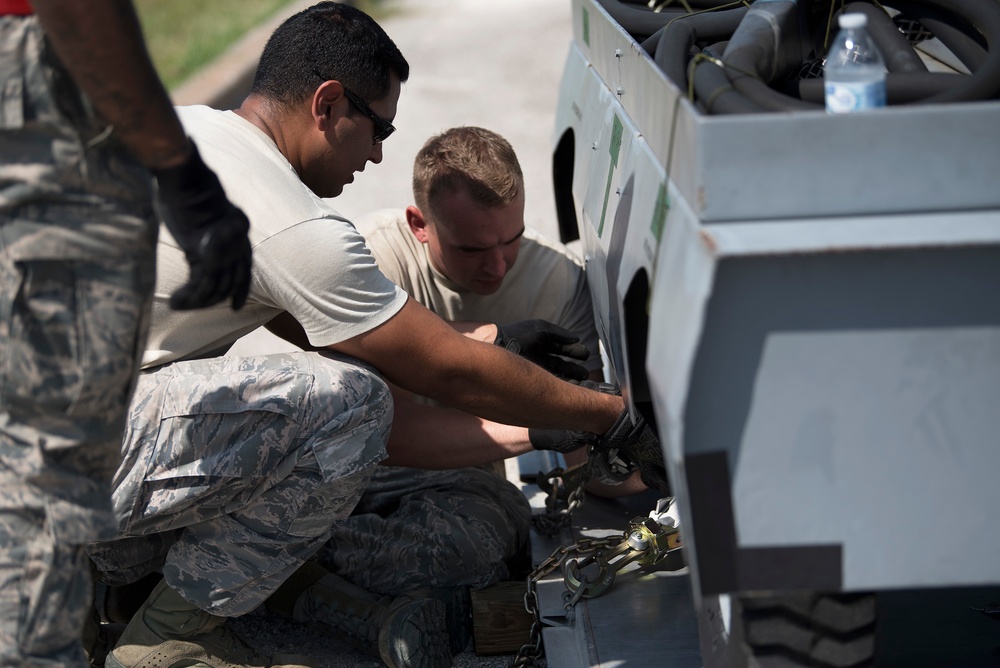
660,212
614,148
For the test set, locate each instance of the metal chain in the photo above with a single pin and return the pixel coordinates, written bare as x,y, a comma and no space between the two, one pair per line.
555,519
549,523
531,653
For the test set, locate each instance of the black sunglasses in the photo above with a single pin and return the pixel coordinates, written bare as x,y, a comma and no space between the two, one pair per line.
383,128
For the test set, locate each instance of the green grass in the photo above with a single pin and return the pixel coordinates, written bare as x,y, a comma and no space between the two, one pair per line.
185,35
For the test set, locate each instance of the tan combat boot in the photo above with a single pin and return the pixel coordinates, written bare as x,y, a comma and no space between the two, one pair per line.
168,631
404,632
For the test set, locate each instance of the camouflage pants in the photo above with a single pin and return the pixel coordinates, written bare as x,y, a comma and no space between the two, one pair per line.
415,529
77,241
235,469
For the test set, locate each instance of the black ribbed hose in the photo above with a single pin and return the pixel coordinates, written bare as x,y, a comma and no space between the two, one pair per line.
900,88
899,55
640,22
675,40
965,42
984,18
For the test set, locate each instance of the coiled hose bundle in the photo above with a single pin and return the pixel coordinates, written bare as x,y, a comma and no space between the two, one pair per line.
767,55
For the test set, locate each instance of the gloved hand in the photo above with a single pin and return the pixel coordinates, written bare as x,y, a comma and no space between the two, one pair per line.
211,232
565,440
638,446
543,343
560,440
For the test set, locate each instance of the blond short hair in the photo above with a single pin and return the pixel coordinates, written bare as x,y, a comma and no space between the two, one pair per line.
477,160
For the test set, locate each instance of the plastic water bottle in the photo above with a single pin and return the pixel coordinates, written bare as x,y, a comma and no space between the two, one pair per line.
854,73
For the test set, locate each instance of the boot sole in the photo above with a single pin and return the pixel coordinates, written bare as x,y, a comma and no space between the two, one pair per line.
458,616
458,613
417,636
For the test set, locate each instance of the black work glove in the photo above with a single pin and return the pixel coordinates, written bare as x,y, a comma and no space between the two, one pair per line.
560,440
543,343
565,440
211,232
638,446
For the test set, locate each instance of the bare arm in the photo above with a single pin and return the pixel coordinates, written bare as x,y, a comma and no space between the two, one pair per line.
429,437
432,437
286,327
100,43
419,352
480,331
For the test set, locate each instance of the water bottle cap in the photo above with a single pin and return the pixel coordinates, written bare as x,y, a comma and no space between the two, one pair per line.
853,20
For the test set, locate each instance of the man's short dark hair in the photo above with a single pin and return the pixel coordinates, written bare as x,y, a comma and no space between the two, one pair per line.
329,40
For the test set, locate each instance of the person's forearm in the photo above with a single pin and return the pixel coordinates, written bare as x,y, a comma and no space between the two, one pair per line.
100,44
507,388
480,331
431,437
421,353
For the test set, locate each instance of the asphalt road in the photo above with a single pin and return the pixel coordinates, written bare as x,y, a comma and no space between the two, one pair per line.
492,64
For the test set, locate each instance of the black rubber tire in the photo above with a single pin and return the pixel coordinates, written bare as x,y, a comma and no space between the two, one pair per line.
828,630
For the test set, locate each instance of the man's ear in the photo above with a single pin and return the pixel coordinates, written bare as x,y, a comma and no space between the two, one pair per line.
327,99
418,225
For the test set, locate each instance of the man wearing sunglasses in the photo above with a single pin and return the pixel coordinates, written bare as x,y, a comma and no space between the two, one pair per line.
236,469
383,128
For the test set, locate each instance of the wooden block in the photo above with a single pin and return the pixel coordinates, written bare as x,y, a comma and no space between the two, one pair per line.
500,624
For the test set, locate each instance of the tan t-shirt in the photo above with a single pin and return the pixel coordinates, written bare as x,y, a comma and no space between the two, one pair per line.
308,260
546,281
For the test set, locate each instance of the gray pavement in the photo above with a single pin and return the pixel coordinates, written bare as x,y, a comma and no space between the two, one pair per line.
494,64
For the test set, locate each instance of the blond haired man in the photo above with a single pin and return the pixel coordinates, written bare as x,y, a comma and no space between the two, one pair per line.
463,252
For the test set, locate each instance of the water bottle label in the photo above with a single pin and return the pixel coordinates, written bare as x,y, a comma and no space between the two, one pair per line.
842,97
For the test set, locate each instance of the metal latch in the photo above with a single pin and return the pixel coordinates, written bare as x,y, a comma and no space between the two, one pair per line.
646,541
